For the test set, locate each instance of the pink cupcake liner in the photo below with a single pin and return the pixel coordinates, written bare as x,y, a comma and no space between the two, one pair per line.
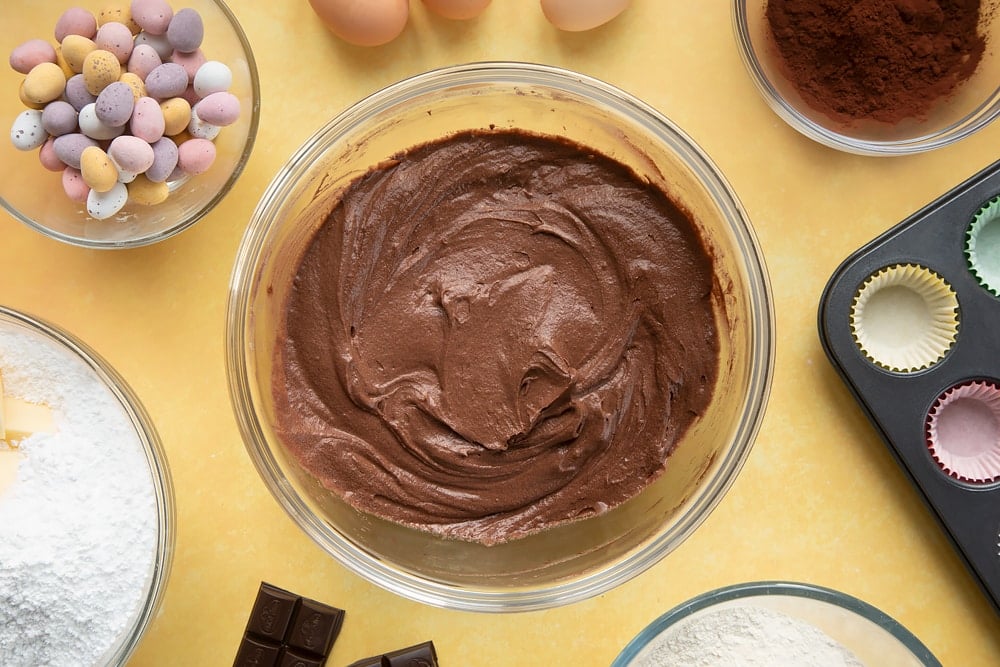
963,432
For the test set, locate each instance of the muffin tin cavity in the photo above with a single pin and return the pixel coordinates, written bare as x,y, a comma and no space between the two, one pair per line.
906,322
982,245
905,318
963,432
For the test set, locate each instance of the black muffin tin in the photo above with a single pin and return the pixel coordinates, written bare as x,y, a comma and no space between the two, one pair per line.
897,404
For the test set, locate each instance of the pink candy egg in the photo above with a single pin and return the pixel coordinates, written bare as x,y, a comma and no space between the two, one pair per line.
195,156
144,59
116,38
219,109
153,16
74,185
131,154
25,56
147,120
47,156
76,21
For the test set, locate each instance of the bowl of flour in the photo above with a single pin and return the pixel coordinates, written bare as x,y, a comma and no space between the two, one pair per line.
775,623
86,504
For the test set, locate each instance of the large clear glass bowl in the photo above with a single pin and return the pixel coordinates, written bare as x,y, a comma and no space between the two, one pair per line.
159,474
569,562
873,636
974,105
34,195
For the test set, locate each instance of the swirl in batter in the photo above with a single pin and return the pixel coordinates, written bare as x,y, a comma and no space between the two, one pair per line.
493,334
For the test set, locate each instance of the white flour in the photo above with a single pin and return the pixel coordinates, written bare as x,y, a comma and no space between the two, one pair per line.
78,528
746,637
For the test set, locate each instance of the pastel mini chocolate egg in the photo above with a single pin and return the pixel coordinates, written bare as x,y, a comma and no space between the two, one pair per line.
103,205
580,15
26,55
76,92
118,13
44,83
212,77
146,192
116,38
457,9
186,30
115,103
220,109
153,16
38,106
159,44
199,128
166,81
147,120
176,115
370,23
190,61
143,60
59,118
164,160
75,21
94,127
75,49
195,156
26,132
99,172
47,156
74,186
135,84
131,154
100,68
69,147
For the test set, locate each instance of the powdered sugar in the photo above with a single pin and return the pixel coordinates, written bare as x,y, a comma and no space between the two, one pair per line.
745,637
78,528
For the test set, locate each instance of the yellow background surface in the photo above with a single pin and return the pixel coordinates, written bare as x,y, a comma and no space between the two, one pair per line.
820,499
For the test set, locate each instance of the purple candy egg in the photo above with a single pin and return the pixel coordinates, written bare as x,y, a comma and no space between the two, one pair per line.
76,92
144,59
164,160
114,104
167,80
59,118
186,30
69,148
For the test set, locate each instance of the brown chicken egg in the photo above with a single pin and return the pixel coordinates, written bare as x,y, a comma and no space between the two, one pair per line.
457,9
579,15
363,22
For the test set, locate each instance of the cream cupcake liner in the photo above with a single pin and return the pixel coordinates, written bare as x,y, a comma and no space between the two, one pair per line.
904,318
963,432
982,246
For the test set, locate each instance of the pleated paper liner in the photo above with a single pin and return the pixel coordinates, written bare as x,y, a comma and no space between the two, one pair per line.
904,318
982,246
963,432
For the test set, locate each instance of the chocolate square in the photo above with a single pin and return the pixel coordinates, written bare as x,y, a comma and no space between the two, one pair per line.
256,653
272,612
315,627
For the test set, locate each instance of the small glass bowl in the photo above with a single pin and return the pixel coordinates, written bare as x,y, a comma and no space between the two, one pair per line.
135,627
874,637
973,106
34,195
569,562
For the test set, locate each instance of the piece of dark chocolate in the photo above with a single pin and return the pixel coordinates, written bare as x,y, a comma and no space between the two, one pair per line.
418,655
288,630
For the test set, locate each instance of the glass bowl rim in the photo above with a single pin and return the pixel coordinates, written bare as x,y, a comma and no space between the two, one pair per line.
194,217
769,588
412,585
974,121
156,458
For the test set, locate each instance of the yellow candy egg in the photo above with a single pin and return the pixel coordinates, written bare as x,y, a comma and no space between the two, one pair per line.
98,170
176,115
75,49
118,14
25,101
44,83
146,192
135,82
100,68
61,61
579,15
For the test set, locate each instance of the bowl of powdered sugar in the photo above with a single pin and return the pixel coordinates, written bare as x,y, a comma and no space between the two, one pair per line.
86,506
775,623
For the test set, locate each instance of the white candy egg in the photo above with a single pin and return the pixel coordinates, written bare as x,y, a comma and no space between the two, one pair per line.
27,133
212,77
92,126
579,15
103,205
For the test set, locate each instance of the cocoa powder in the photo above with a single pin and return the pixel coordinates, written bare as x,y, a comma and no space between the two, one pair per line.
885,60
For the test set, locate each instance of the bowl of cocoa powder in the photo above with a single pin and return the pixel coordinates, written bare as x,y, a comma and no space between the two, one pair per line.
875,77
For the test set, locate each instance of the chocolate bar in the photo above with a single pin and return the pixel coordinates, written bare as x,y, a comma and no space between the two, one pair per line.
288,630
419,655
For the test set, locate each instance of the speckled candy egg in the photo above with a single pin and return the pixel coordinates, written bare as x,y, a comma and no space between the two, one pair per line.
76,92
114,104
100,68
116,38
131,154
146,192
94,127
75,49
166,81
176,115
220,109
99,172
153,16
147,121
74,186
103,205
27,133
195,156
47,156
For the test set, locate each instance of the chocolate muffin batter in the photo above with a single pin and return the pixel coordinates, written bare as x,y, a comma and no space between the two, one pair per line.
493,334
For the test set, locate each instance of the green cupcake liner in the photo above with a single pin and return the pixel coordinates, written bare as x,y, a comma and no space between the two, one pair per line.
982,246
